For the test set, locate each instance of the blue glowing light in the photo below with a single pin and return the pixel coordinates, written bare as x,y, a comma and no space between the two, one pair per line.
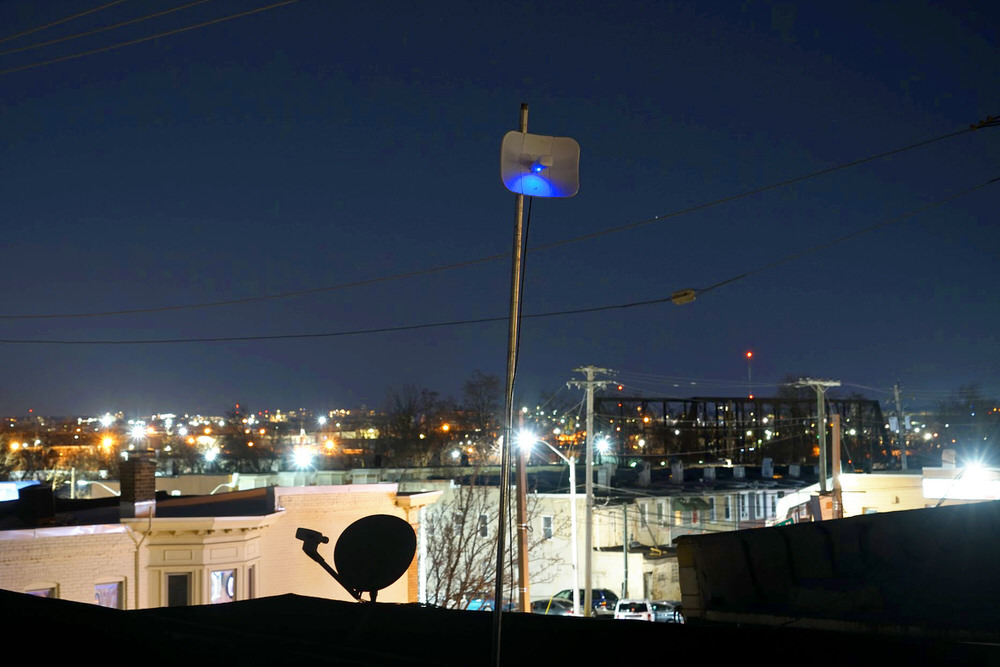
533,185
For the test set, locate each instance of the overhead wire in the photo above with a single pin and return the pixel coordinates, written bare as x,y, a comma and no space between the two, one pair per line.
95,31
31,31
148,38
497,256
574,311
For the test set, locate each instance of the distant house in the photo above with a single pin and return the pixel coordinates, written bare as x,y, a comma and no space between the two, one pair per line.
145,550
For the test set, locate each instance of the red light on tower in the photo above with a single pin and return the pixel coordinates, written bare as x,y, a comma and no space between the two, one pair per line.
749,374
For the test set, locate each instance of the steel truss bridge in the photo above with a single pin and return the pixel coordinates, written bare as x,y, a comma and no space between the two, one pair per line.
741,429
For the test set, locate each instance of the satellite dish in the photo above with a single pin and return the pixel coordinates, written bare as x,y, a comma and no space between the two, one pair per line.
540,166
375,551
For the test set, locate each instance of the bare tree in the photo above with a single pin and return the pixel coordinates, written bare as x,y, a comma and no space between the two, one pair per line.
481,396
411,435
969,422
462,546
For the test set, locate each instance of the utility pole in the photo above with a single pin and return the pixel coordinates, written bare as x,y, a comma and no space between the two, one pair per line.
820,386
838,495
513,337
625,548
900,427
589,384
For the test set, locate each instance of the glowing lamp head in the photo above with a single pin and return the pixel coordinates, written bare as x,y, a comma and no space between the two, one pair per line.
525,439
302,457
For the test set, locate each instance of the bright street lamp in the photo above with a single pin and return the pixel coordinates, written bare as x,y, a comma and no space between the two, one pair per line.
526,440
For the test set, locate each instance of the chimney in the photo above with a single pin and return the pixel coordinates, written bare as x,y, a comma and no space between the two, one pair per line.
138,487
36,504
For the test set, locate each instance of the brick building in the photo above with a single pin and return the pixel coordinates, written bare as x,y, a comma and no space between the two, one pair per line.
144,550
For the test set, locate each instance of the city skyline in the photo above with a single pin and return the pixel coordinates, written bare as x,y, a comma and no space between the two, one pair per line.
306,201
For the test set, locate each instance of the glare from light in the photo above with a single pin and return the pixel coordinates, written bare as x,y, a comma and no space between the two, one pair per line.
603,446
525,440
107,420
302,457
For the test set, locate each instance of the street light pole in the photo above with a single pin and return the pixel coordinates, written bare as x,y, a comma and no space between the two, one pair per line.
571,462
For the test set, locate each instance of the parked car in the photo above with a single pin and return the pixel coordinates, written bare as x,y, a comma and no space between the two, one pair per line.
553,607
603,600
485,603
667,611
634,610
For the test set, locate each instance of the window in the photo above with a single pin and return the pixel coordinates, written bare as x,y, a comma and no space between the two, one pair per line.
758,506
774,505
109,595
178,589
484,525
744,507
223,586
727,511
711,510
695,517
659,513
643,515
252,582
547,527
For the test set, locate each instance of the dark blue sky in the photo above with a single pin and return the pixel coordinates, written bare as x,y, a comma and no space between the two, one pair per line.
319,144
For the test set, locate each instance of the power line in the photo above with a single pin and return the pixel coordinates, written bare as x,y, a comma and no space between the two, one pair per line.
60,21
484,320
67,38
176,31
989,122
847,237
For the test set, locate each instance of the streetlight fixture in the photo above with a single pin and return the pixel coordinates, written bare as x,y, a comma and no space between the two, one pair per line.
525,441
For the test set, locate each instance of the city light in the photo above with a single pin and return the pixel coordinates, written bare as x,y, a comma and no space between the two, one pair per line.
137,431
302,457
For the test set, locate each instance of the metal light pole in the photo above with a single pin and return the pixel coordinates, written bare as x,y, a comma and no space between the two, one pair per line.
571,462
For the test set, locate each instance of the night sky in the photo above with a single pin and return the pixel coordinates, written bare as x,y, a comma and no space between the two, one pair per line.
318,145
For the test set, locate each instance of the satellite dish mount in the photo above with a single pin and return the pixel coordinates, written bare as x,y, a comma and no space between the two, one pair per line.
371,553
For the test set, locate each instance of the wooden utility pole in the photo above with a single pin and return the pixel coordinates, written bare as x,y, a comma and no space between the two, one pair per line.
820,386
838,495
513,336
589,384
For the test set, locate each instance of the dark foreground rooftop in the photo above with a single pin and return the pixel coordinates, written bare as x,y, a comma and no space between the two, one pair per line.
290,630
